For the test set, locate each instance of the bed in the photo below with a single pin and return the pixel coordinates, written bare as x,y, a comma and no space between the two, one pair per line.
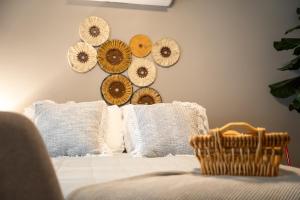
86,141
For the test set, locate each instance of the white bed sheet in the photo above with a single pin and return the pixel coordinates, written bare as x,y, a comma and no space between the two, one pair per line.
75,172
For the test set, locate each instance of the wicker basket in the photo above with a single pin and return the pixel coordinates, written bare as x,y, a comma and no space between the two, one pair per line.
225,151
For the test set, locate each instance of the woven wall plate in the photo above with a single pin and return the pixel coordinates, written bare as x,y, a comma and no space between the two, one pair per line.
116,89
146,96
140,45
94,30
82,57
166,52
114,56
142,72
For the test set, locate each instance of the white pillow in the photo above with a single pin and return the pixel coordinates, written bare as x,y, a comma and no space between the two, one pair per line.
162,129
29,111
70,129
131,128
113,129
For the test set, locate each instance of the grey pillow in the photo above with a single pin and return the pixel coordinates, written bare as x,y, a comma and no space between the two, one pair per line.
162,129
70,129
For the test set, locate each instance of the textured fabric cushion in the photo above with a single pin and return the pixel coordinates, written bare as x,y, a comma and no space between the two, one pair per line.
70,129
162,129
113,129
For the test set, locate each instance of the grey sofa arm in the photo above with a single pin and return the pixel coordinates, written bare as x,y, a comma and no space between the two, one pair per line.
26,171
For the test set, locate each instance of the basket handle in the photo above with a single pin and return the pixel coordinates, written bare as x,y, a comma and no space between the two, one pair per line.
260,132
233,125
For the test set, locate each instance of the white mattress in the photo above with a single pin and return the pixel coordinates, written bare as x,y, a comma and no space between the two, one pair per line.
75,172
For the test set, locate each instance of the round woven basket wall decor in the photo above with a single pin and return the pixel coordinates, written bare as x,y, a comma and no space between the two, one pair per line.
166,52
142,72
114,56
94,30
116,89
82,57
140,45
146,96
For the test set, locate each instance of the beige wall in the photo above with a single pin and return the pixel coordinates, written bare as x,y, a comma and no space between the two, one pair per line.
226,65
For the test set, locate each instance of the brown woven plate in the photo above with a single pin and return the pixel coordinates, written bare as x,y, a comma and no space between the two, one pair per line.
140,45
114,56
146,96
116,89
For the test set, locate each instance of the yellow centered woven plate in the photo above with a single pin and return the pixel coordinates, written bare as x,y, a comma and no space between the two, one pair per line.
94,30
140,45
166,52
116,89
142,72
114,56
82,57
146,96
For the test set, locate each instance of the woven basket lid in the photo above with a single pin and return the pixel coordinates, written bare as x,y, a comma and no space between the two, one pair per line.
94,30
146,96
166,52
140,45
82,57
116,89
142,72
114,56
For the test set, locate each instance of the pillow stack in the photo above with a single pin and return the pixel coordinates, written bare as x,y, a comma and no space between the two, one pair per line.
78,129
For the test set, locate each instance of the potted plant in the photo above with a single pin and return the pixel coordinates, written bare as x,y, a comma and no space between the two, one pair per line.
289,87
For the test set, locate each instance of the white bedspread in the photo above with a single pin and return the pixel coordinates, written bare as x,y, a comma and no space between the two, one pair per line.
75,172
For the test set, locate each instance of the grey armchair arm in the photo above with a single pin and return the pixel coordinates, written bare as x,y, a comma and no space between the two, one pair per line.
26,171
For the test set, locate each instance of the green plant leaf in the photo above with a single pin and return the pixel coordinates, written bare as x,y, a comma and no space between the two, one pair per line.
292,65
286,88
295,105
286,43
292,29
297,51
289,87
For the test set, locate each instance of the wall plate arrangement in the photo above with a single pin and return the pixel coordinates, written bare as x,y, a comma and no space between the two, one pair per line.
140,45
146,96
82,57
116,89
142,72
114,56
166,52
94,30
